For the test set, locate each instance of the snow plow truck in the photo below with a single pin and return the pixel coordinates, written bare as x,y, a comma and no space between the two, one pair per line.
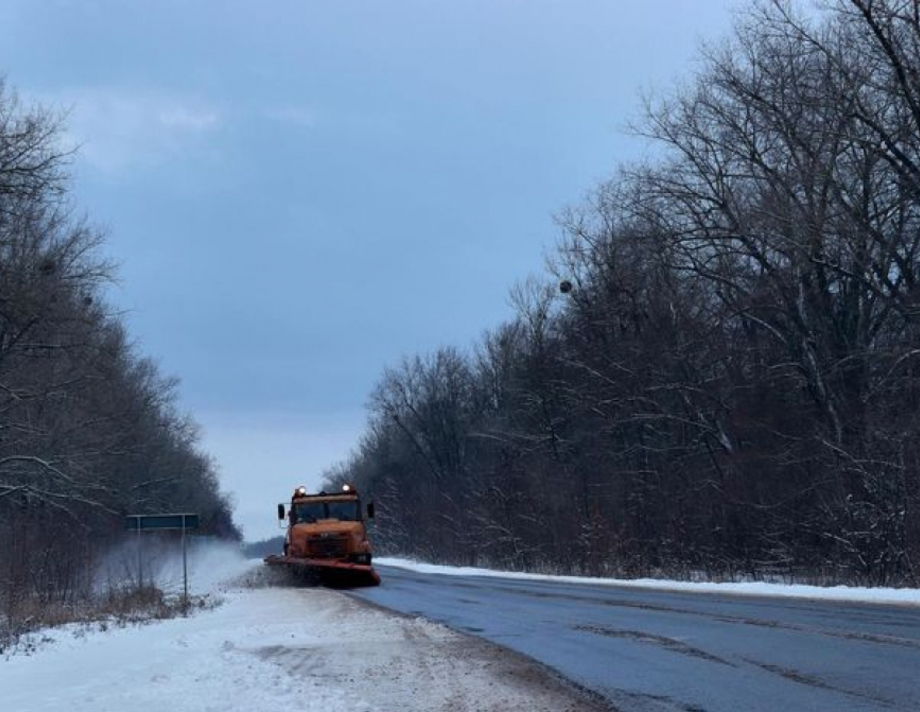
327,539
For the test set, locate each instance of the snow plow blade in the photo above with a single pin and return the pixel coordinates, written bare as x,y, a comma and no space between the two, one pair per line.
331,572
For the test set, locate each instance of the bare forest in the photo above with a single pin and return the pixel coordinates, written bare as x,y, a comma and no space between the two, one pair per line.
89,430
720,374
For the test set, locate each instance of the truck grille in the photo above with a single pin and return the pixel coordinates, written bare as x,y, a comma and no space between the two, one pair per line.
327,547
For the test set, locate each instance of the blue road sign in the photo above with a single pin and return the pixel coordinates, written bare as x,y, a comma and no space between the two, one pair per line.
151,522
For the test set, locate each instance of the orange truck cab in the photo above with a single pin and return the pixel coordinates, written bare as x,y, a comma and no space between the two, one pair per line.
327,526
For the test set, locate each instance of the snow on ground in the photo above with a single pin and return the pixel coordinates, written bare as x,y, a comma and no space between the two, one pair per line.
277,648
902,596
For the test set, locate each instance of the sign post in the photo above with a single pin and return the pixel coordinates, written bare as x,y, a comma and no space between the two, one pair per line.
162,522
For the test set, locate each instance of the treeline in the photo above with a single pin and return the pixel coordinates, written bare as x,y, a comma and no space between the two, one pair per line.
89,429
728,380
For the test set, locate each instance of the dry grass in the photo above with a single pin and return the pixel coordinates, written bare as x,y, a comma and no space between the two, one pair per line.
23,627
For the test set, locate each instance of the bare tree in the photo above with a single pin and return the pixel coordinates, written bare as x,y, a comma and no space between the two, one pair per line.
88,429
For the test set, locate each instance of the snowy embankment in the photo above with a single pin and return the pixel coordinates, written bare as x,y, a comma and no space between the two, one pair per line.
278,648
900,596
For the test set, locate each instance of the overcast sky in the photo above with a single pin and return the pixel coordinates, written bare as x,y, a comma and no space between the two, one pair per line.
299,192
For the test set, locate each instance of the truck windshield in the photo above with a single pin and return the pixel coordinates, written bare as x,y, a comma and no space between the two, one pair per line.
346,511
314,511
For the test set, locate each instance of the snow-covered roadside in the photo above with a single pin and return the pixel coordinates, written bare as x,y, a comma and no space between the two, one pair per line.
901,596
278,648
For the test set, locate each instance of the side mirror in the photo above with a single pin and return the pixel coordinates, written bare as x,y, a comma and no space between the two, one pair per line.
280,511
370,510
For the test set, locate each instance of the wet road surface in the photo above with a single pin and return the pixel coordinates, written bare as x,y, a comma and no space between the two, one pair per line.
653,651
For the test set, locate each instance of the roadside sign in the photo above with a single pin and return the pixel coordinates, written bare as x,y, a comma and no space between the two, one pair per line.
151,522
183,521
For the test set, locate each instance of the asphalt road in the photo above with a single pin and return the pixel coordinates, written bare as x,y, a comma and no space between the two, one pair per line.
650,651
